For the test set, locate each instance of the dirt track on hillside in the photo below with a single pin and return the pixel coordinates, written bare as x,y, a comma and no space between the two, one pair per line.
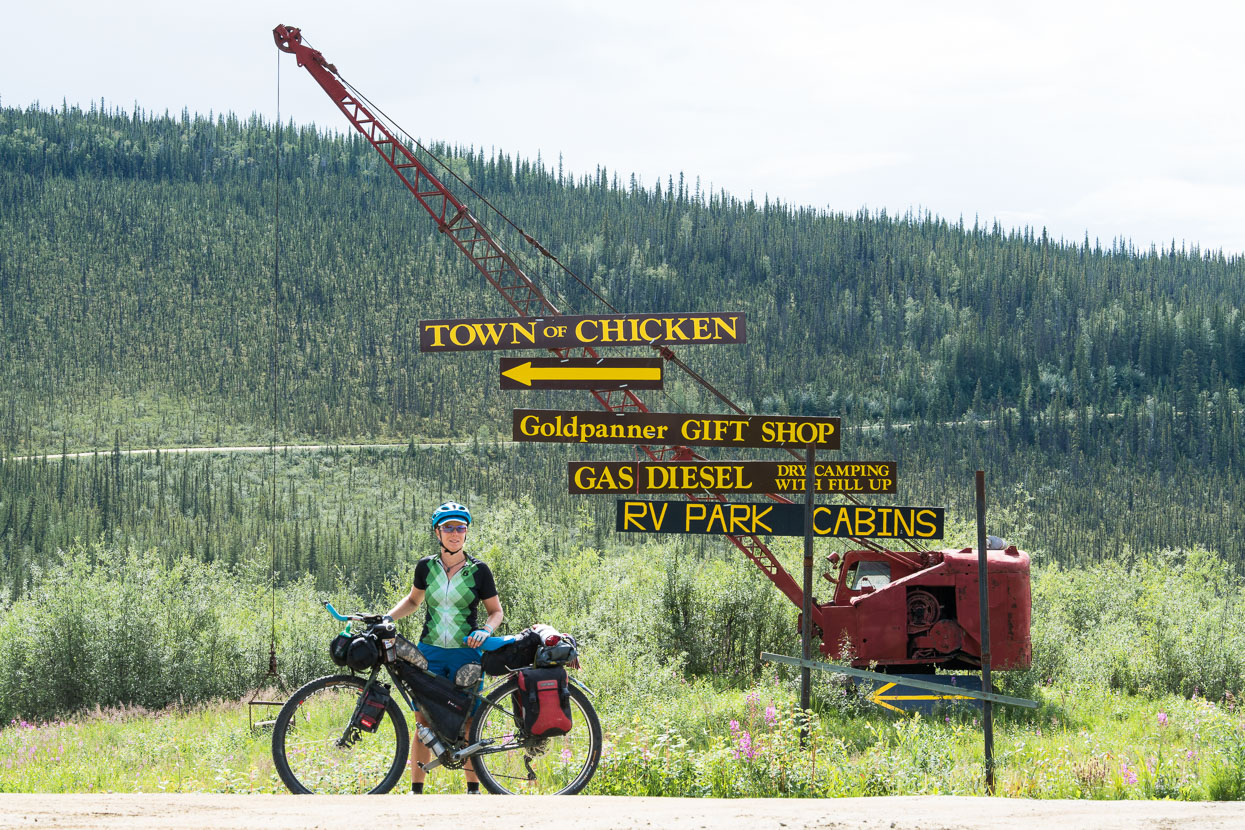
462,812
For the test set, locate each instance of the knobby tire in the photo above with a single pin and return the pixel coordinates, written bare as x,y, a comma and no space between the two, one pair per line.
306,735
563,765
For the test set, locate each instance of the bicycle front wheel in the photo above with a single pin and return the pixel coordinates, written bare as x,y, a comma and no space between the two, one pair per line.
517,764
316,750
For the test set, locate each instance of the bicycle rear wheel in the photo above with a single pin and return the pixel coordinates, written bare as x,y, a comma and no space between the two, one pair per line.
517,764
316,750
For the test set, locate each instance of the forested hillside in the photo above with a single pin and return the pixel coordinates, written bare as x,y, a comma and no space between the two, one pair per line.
1099,385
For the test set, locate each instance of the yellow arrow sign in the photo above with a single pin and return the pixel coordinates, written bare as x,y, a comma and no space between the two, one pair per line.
880,698
525,373
581,373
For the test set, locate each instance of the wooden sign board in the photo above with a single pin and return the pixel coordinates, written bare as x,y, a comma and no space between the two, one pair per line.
760,519
773,431
581,373
563,332
759,477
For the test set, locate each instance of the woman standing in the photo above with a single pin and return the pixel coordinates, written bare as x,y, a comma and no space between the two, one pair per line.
451,585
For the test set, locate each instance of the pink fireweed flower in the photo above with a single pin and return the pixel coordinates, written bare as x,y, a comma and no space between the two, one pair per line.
1128,774
734,725
771,715
566,755
1162,719
743,748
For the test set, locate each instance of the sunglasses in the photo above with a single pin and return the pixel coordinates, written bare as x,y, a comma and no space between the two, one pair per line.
448,528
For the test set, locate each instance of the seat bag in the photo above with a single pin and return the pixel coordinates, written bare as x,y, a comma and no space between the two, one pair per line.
512,656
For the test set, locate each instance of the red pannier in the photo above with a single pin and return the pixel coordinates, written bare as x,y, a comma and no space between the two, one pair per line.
545,700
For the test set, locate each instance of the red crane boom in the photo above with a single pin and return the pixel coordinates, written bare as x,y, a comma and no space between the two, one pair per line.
495,263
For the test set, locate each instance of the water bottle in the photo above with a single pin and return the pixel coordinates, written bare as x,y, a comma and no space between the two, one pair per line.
430,740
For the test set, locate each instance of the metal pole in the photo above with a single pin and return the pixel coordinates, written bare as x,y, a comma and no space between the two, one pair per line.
806,674
983,599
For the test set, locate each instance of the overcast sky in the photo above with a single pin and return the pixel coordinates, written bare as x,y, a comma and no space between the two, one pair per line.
1113,119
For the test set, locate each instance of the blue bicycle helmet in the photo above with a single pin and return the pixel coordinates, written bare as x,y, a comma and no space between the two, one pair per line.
450,510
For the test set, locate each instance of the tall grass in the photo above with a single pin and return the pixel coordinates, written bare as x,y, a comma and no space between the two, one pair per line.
1084,742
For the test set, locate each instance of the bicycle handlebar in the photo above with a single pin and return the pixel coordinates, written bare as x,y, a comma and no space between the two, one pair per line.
369,619
490,644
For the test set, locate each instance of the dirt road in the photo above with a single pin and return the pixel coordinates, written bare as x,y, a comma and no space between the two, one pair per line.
462,812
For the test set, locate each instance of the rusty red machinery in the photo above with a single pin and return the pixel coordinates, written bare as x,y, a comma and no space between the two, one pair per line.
913,611
922,615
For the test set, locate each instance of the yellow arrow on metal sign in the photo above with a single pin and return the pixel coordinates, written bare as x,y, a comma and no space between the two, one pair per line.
880,699
525,373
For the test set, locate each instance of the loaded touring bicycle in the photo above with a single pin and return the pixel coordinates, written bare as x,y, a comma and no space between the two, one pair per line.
534,731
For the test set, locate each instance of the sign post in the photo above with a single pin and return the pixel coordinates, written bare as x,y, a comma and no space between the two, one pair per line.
806,674
983,598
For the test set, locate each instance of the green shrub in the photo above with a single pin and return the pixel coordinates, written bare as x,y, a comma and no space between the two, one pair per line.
111,627
1171,626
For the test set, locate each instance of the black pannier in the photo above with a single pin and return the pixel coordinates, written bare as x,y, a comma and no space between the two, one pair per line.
513,656
441,702
372,709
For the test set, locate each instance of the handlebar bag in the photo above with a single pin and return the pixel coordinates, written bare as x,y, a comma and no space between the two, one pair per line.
546,698
512,656
339,647
363,654
372,708
443,704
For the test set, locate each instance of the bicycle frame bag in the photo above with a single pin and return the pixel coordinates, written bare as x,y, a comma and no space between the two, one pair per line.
442,703
372,708
512,656
546,699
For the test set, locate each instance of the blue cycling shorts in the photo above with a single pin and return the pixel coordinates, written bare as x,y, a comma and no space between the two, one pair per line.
447,661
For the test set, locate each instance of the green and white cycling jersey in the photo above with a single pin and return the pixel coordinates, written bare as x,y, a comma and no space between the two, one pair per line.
451,602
